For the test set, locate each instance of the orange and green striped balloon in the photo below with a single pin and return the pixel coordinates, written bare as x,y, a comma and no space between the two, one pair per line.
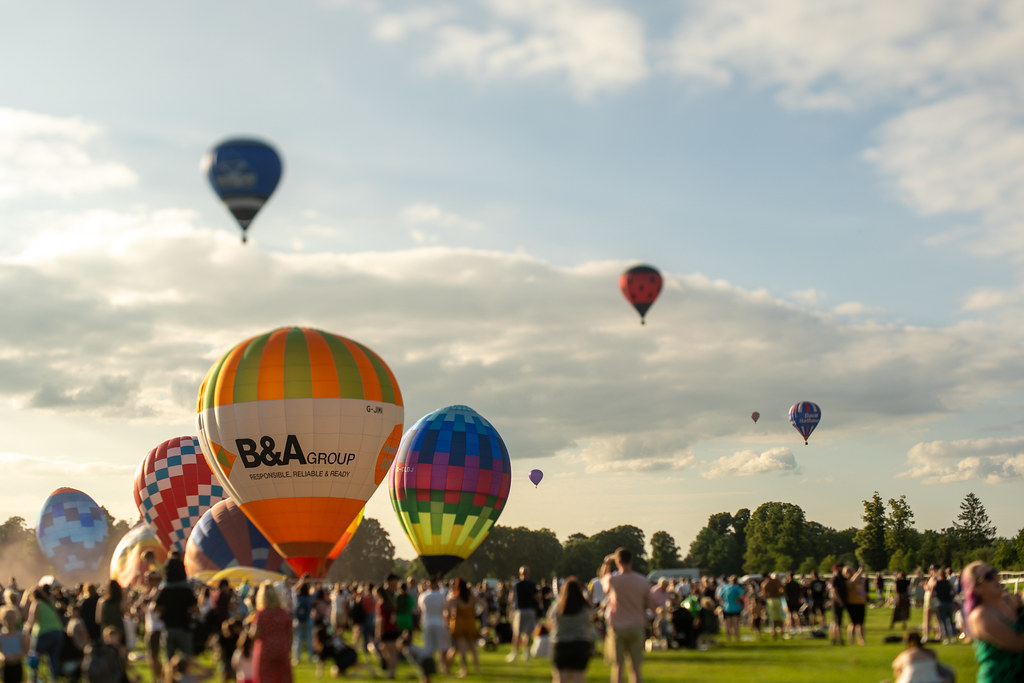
300,426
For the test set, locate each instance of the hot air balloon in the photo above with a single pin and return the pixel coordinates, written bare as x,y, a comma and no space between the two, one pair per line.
755,416
244,173
302,425
346,537
125,562
449,484
804,416
641,286
176,488
224,537
536,476
72,533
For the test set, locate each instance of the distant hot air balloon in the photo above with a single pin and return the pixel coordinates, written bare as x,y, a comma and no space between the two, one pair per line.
804,416
176,488
449,484
72,533
224,537
129,552
301,426
536,476
244,173
755,416
641,286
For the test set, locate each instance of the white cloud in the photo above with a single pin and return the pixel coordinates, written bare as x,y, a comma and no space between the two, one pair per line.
748,463
423,215
989,460
48,155
596,46
396,26
844,53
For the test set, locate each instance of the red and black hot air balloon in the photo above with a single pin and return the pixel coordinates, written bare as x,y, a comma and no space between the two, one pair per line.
641,286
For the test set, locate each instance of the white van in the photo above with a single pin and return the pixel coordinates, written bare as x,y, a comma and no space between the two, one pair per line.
691,573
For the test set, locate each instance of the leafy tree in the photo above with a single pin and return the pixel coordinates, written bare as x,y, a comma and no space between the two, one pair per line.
627,536
664,551
973,527
13,531
871,548
775,538
506,549
717,549
580,557
899,527
369,555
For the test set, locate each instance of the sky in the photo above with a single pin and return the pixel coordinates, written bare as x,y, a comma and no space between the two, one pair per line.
833,192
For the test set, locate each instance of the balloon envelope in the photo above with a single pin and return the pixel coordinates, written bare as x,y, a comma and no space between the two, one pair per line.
755,416
177,487
244,173
224,537
641,286
302,425
804,416
72,533
449,484
536,476
346,537
129,552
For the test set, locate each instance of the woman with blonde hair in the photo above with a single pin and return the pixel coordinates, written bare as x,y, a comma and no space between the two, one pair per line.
271,630
993,619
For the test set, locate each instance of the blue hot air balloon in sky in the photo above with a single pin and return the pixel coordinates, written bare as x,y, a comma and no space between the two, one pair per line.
804,417
72,533
244,172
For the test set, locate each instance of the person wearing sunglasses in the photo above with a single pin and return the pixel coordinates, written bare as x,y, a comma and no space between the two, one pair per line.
995,622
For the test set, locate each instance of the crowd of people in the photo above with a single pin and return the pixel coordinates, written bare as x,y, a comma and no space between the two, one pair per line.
258,633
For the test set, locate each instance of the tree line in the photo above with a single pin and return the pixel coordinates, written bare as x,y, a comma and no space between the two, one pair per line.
776,536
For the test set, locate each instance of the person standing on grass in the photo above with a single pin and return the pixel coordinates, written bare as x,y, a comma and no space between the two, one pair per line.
629,597
572,633
900,600
271,630
525,609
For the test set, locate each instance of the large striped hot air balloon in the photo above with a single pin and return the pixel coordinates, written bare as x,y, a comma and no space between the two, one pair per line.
302,425
449,484
804,417
72,533
225,537
173,488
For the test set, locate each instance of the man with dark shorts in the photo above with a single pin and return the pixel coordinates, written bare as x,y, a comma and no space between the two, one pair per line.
525,606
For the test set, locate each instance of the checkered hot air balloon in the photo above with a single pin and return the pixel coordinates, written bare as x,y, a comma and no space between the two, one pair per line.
302,426
72,533
173,488
449,484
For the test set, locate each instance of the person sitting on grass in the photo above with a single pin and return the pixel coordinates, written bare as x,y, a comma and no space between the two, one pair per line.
916,664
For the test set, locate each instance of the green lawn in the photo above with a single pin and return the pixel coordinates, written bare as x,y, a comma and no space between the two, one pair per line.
786,661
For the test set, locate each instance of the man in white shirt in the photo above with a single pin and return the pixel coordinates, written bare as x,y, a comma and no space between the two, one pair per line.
435,630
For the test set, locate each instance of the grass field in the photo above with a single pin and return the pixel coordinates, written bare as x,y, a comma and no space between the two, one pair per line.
793,660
